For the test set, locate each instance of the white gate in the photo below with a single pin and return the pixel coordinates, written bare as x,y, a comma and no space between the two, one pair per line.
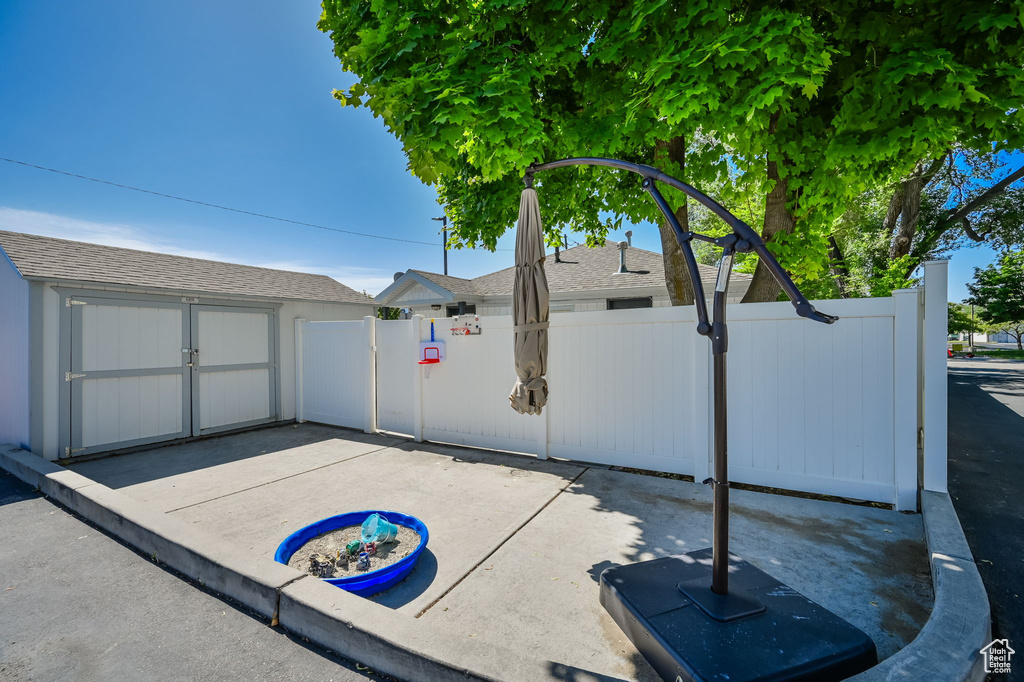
396,372
334,372
831,409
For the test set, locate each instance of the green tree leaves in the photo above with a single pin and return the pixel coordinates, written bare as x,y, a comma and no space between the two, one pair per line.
999,289
860,92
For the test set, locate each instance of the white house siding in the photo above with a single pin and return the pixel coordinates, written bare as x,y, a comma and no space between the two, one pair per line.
14,360
417,292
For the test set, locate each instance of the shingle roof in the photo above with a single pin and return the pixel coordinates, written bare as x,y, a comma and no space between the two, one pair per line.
456,285
585,269
39,257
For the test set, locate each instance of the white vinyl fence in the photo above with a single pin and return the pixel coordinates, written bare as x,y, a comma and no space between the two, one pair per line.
831,409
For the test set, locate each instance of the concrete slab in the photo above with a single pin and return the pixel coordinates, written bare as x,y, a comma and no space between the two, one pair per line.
472,501
177,476
868,565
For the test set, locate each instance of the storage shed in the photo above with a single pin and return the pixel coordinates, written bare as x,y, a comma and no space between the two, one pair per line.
103,348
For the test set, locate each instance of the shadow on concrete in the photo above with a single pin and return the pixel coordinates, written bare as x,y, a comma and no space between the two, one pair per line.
561,671
163,461
13,490
413,586
867,565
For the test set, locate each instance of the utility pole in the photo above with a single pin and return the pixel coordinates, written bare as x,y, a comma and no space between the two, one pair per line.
444,243
972,326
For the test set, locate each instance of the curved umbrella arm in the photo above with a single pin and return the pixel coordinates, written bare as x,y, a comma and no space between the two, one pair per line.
743,239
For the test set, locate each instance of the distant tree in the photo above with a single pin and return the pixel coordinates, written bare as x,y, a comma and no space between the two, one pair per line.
960,320
801,107
999,288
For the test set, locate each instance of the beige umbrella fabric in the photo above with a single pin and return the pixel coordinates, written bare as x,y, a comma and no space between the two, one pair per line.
530,300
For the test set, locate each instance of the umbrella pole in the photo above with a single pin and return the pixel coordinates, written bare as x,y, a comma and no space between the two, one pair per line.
720,544
720,482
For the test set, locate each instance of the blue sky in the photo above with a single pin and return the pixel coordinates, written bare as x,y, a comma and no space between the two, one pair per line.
227,102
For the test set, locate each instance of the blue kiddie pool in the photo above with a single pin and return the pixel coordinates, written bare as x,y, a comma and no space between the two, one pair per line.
371,582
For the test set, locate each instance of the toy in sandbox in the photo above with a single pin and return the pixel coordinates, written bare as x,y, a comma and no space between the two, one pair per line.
366,565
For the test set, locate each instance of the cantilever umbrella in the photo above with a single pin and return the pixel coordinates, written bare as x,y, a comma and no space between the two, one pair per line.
530,299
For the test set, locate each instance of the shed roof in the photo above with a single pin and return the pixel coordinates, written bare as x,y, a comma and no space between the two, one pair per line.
38,257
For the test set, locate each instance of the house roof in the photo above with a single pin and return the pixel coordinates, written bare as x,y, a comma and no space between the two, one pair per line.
456,285
580,269
38,257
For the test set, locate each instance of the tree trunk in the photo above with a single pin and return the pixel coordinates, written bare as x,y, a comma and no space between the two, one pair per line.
909,212
777,219
893,214
909,196
837,264
677,277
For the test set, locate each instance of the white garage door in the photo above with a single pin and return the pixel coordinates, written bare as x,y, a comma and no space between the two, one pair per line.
148,371
233,371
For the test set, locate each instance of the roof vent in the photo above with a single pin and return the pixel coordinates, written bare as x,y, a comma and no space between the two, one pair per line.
629,237
622,258
399,275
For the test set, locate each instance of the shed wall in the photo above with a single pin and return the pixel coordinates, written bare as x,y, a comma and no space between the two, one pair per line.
14,357
45,379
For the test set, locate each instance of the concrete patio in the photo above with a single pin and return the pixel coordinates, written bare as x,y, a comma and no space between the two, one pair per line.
517,544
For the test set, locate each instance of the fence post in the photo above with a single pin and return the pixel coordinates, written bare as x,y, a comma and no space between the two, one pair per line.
417,380
934,349
370,325
905,391
542,432
298,369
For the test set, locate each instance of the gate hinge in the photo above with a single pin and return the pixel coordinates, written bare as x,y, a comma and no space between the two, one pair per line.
68,302
68,451
68,376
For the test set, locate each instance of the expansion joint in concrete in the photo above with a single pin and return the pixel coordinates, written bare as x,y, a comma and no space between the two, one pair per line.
276,480
503,541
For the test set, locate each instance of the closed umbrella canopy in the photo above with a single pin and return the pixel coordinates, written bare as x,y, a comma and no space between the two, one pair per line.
530,299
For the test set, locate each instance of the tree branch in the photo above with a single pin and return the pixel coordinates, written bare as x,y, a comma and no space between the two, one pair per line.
977,202
970,230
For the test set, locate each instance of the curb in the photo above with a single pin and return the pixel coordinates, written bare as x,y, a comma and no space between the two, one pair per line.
390,643
218,565
947,648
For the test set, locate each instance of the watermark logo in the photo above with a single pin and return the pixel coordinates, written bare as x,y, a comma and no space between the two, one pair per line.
997,655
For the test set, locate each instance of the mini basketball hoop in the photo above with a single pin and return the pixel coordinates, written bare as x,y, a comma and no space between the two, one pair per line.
431,352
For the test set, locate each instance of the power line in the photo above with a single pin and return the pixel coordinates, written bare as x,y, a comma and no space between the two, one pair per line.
223,208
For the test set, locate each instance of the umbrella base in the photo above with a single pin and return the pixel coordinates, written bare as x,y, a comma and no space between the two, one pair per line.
768,631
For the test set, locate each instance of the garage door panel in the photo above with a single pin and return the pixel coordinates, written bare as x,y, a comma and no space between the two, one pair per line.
129,381
127,337
233,338
133,382
129,409
235,397
235,376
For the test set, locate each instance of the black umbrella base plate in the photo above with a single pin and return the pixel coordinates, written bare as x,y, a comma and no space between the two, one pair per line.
769,632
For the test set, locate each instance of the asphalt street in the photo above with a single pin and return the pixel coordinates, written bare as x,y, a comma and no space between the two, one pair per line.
78,605
986,481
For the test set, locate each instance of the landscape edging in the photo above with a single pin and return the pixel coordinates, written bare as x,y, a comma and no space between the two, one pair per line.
948,646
